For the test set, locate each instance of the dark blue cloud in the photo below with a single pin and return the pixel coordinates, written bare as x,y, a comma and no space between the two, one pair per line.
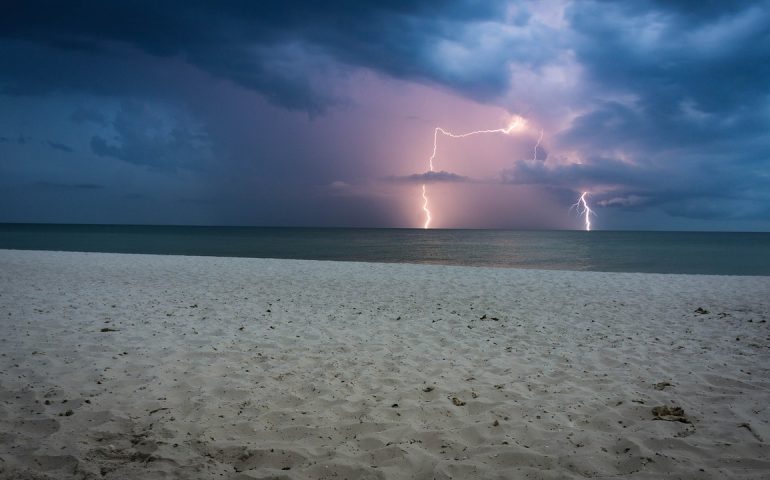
683,108
60,146
665,53
669,111
246,42
85,115
699,191
146,137
67,186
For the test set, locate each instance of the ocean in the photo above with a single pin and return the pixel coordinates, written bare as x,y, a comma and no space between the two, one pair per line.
712,253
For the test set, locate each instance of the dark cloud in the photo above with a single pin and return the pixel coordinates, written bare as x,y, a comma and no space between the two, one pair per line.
683,94
662,106
60,146
690,76
20,139
145,136
431,177
677,189
693,9
665,54
68,186
85,115
266,46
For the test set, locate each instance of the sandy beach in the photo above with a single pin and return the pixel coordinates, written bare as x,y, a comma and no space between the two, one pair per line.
154,367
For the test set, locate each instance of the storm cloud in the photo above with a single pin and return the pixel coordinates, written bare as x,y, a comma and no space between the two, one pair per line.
265,46
658,109
60,146
431,177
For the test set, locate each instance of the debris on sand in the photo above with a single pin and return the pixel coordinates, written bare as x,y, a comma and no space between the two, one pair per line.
457,402
662,385
701,311
107,329
751,431
670,414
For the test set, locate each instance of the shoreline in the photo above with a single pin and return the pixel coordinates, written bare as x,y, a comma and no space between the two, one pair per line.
407,263
150,366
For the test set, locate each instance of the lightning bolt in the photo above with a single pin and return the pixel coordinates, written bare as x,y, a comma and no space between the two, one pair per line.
581,206
516,123
539,139
425,208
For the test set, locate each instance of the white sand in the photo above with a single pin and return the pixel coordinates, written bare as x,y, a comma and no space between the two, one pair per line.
250,368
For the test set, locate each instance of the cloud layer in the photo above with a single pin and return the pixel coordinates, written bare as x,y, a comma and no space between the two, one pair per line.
660,109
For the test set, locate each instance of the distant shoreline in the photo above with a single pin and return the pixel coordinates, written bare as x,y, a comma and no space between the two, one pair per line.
417,264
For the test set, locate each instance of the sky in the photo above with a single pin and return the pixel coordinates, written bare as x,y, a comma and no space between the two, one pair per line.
277,113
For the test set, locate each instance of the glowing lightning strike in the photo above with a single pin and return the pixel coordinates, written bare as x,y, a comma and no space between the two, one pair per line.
583,209
425,208
516,123
539,139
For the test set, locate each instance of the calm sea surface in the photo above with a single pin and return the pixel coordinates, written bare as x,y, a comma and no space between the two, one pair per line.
662,252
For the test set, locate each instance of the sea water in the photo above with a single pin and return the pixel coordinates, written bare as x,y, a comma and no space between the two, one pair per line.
717,253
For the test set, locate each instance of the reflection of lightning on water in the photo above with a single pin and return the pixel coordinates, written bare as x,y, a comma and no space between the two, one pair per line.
583,209
515,124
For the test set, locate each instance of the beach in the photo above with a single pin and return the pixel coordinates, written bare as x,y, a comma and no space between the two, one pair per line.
117,366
